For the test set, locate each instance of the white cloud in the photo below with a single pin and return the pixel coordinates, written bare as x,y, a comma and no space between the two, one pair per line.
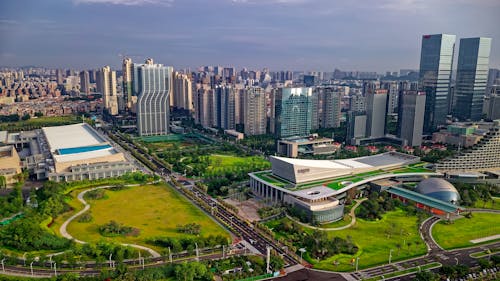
167,3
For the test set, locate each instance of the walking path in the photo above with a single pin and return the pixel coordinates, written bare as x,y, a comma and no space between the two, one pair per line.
65,234
351,214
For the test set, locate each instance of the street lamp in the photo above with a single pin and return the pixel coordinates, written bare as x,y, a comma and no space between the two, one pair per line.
357,263
301,250
390,256
31,268
3,265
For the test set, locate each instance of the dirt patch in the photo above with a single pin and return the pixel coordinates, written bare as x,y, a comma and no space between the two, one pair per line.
247,209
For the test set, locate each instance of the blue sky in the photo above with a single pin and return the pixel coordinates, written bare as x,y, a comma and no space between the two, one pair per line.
371,35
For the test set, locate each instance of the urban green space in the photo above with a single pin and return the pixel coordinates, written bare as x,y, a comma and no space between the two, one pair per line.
154,210
493,203
39,122
458,233
397,231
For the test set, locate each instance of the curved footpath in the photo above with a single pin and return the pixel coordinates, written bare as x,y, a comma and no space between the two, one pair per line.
351,214
65,234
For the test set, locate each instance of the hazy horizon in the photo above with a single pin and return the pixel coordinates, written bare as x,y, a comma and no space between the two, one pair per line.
302,35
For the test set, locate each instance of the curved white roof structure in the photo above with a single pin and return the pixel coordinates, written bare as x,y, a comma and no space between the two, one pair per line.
303,170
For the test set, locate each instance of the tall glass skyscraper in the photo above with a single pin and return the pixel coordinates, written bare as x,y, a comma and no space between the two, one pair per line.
152,85
436,60
293,112
472,77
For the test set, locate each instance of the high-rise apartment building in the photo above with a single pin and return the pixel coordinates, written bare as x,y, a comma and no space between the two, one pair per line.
293,112
203,106
106,85
224,107
326,107
376,103
85,82
152,86
128,81
182,92
59,76
411,117
436,60
392,96
472,78
254,111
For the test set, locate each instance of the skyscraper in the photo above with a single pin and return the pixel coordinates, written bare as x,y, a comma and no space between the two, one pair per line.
254,112
293,112
128,80
331,108
106,85
152,86
376,104
436,60
85,82
59,76
411,117
472,77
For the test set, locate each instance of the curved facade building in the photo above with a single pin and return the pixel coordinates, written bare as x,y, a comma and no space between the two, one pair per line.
439,189
153,86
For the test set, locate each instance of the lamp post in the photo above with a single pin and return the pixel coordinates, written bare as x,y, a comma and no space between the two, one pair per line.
31,268
110,265
55,269
390,256
357,263
3,265
301,250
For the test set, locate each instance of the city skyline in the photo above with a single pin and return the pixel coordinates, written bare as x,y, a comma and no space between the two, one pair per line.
281,34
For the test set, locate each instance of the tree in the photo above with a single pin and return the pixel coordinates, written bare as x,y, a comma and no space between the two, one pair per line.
26,117
3,182
426,276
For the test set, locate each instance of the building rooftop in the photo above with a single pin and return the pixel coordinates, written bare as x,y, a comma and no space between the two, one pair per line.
70,136
424,199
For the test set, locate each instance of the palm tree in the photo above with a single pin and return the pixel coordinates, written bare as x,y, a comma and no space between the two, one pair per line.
398,245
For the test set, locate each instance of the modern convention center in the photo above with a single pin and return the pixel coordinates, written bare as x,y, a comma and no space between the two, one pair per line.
318,187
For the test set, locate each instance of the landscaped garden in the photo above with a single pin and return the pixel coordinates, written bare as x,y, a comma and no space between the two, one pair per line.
25,123
458,233
148,211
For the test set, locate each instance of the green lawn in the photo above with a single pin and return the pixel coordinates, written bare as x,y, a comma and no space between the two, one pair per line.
375,245
39,122
494,203
461,231
155,210
221,162
271,179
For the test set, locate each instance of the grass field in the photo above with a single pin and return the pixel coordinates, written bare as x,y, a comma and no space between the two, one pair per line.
220,162
494,204
155,210
461,231
373,242
39,122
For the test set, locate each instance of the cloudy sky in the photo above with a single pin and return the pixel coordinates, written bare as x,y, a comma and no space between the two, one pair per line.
371,35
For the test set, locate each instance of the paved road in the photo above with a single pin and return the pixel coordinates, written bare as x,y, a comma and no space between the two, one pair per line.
65,234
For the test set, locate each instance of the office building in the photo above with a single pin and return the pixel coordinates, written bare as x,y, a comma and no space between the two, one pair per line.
128,81
492,106
436,60
153,87
472,78
392,96
85,82
331,107
106,85
254,111
411,117
182,92
376,104
356,126
293,112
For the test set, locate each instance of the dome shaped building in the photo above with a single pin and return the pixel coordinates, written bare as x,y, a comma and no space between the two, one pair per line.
439,189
